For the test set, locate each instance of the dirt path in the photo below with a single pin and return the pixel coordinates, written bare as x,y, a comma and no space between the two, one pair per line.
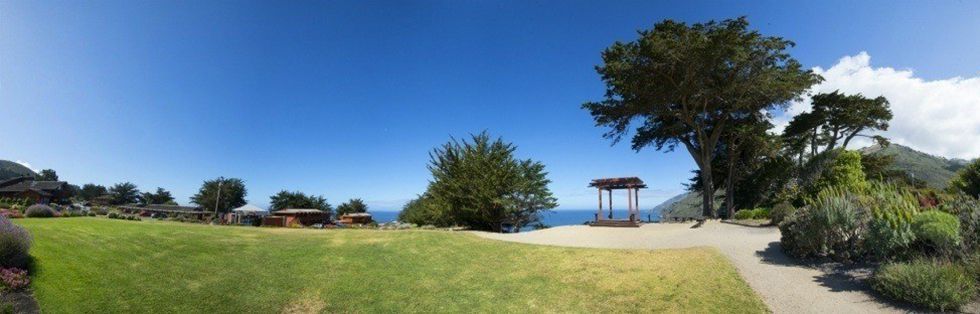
784,285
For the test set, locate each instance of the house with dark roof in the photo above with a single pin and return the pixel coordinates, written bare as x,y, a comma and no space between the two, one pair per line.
41,192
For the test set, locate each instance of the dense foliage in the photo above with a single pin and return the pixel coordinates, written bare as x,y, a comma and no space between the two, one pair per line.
937,230
47,175
354,205
39,211
967,180
890,233
13,279
161,196
15,245
124,193
91,191
937,286
834,120
481,185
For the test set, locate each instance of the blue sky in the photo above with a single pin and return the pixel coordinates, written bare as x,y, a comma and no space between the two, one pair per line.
346,98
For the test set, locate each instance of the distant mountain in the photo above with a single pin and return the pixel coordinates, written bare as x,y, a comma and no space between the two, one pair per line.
10,169
934,170
684,206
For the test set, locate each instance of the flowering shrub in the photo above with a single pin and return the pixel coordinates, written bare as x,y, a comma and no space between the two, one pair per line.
40,211
9,213
15,242
14,279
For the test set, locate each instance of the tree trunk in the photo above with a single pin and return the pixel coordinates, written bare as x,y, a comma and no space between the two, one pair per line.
707,192
730,193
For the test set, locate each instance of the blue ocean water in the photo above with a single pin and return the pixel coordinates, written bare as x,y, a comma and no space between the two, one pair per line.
553,218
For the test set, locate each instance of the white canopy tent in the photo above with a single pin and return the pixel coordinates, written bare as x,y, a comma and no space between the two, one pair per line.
248,210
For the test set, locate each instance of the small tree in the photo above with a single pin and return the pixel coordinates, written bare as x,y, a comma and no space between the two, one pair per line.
223,193
967,180
481,185
123,193
355,205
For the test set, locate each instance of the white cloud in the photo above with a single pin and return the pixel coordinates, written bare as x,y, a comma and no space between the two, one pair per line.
28,165
940,117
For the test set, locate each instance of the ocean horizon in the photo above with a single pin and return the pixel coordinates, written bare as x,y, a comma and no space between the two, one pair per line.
554,218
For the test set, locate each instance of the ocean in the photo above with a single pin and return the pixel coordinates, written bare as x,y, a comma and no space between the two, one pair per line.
554,218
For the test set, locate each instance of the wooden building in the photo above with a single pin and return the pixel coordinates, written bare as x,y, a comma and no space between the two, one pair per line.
298,217
356,219
40,192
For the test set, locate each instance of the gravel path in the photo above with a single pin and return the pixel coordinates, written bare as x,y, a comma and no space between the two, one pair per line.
785,286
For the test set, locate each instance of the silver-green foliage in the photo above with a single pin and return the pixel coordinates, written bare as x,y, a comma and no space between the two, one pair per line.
830,225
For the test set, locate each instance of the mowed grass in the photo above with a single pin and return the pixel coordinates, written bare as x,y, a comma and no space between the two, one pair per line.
100,265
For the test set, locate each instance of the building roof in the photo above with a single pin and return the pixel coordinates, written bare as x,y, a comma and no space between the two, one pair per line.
249,208
618,183
24,184
356,215
165,208
298,211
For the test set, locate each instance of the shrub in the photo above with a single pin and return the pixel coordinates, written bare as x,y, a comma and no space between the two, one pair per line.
113,215
938,230
929,284
743,214
14,279
39,211
968,210
829,226
781,211
967,180
15,244
890,232
761,213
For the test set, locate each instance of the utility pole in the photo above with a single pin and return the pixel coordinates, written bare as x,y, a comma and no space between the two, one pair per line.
217,199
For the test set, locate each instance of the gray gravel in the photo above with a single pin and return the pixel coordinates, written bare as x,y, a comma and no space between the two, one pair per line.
787,287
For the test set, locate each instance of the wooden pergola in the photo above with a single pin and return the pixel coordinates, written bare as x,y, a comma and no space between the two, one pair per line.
632,185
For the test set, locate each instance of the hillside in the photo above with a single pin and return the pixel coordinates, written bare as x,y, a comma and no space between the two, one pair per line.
10,169
934,170
685,206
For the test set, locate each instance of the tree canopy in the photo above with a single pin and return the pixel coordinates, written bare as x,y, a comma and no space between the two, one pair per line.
232,194
90,191
686,85
835,119
124,193
287,199
481,185
967,180
161,196
47,175
355,205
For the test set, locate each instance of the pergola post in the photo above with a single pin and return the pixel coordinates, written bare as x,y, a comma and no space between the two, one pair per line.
629,203
610,204
636,199
598,215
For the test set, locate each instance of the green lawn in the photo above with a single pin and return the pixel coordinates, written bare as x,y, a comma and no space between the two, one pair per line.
105,266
